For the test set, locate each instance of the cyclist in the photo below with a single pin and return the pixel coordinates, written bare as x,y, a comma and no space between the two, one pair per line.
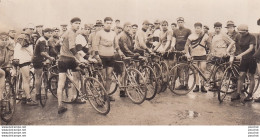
104,47
173,26
179,39
232,33
221,45
23,52
54,43
165,38
86,31
63,29
3,61
133,34
196,47
69,59
39,56
141,39
39,31
257,56
246,42
125,43
98,26
156,34
206,29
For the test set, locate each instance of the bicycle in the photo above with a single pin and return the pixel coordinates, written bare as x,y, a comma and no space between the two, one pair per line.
135,87
9,99
189,71
229,80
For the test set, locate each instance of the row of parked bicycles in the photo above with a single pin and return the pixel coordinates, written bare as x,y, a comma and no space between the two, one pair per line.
144,77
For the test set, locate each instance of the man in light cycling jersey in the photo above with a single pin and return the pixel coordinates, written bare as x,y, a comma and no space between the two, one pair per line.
196,47
69,59
105,47
221,45
40,55
23,52
246,42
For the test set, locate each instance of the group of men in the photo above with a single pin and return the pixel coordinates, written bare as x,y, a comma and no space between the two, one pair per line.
100,43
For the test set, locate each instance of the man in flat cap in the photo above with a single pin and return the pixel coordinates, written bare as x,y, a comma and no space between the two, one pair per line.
39,31
246,42
156,34
63,29
54,43
98,26
232,33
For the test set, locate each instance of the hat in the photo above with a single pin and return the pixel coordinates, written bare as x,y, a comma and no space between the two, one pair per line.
135,25
24,32
206,27
39,26
164,22
217,24
29,26
11,30
3,34
146,22
22,36
180,19
117,20
197,24
99,23
242,27
86,26
230,24
75,19
64,25
55,28
127,24
47,30
157,21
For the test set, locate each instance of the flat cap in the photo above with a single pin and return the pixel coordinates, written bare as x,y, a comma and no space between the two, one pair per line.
180,19
75,19
242,27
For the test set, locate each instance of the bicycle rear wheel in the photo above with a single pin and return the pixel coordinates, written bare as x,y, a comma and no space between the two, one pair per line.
150,78
96,95
136,86
53,85
257,82
44,90
70,93
165,78
9,102
158,74
225,84
182,75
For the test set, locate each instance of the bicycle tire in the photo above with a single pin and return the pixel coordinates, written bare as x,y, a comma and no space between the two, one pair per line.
97,97
10,97
150,77
32,81
44,90
158,71
165,78
53,85
257,79
134,79
227,76
68,89
114,85
173,79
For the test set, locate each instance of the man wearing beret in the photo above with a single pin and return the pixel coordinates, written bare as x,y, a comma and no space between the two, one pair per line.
246,42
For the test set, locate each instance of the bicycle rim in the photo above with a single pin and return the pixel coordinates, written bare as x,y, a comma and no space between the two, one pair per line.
158,73
70,93
97,96
44,90
136,86
224,85
182,74
114,85
165,76
53,85
150,78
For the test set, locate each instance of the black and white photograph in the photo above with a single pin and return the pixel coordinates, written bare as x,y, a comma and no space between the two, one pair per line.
167,63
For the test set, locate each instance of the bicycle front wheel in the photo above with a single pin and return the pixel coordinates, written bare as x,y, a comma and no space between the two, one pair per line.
158,73
44,90
136,86
182,79
9,102
225,84
96,95
150,78
53,85
165,77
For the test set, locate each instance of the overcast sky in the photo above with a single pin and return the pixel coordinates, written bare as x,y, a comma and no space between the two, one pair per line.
50,13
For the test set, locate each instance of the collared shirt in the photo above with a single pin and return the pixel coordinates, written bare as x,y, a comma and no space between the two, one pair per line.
181,36
69,39
24,54
244,43
220,43
125,43
104,43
